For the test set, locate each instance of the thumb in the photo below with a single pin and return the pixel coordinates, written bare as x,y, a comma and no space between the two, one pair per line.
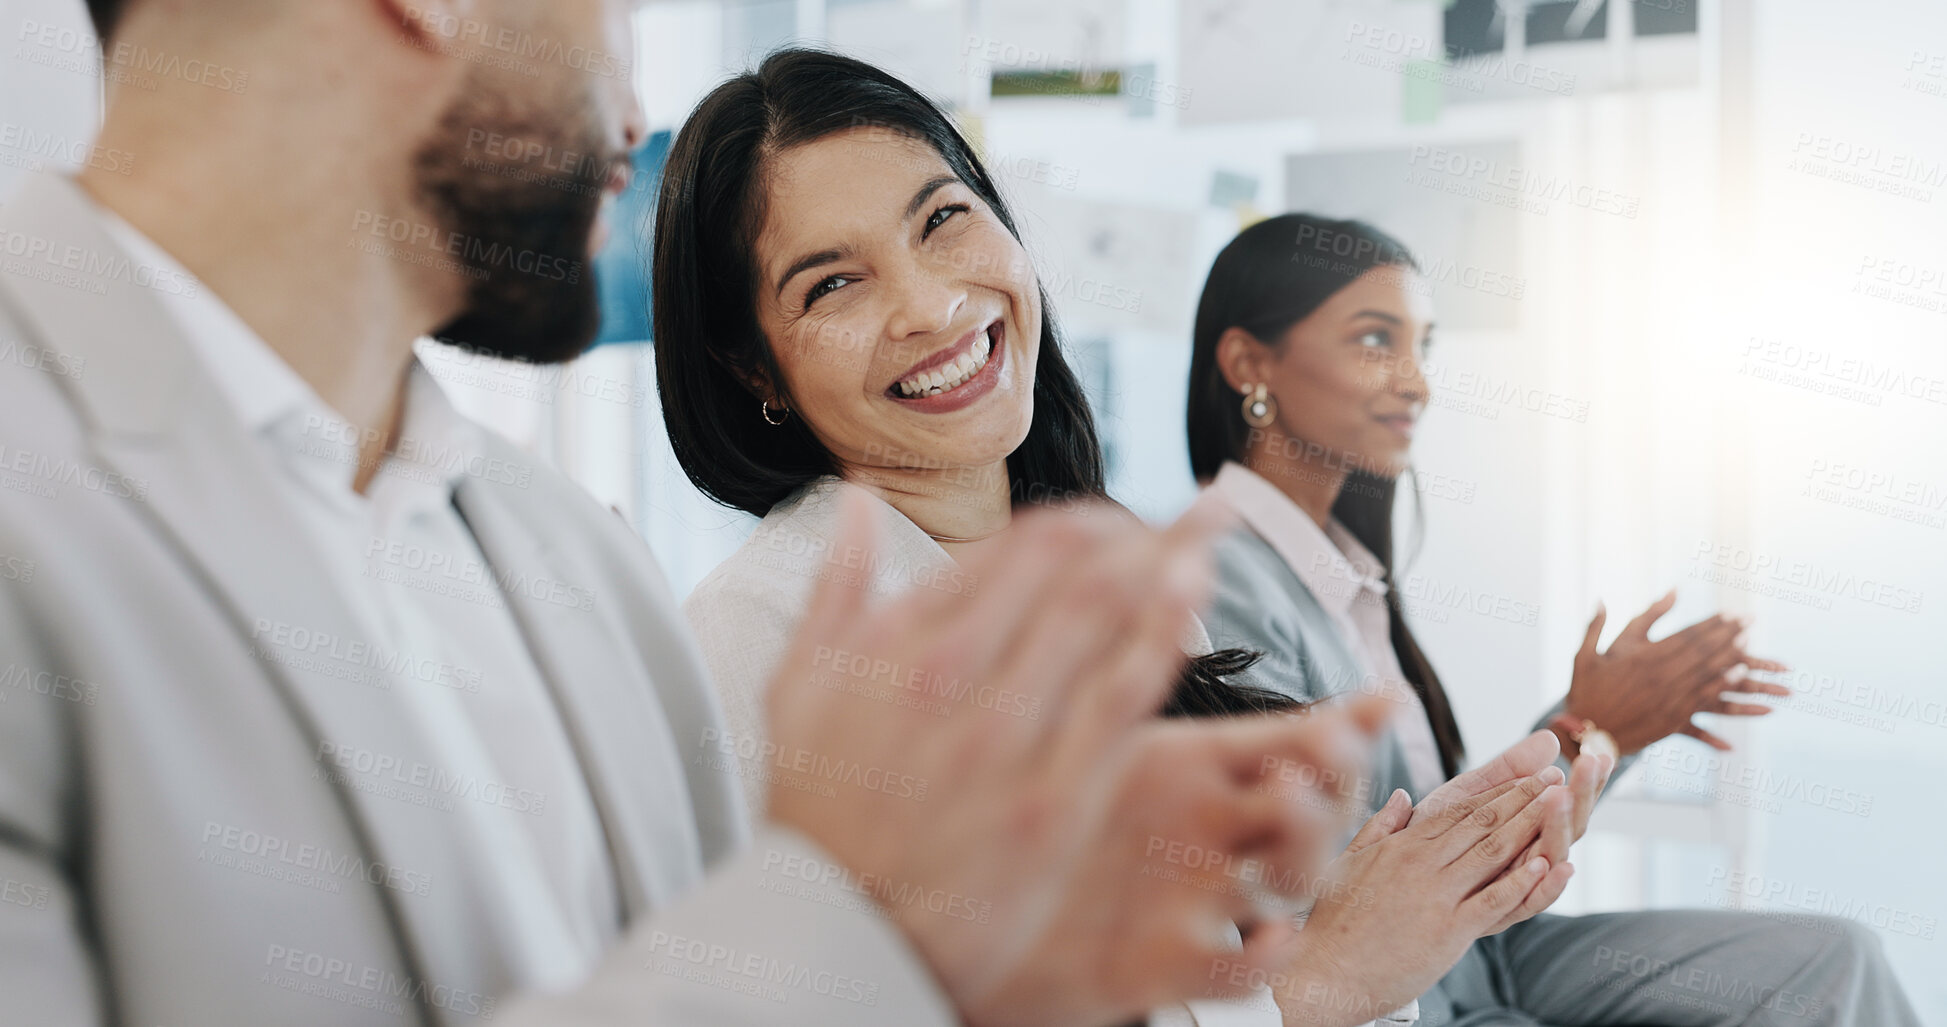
1390,818
838,600
1594,634
1639,627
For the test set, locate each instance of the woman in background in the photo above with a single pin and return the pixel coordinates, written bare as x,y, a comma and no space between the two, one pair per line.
842,303
1305,386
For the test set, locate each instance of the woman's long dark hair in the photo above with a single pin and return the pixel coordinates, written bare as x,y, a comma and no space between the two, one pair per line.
709,345
1272,276
707,339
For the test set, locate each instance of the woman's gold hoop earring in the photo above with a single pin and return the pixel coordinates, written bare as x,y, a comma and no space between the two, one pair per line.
1259,408
783,414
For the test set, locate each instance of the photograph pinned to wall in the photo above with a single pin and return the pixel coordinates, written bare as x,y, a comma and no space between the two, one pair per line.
1332,60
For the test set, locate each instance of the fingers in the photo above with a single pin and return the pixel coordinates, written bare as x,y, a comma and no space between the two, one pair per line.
1712,653
838,600
1390,818
837,605
1754,686
1313,759
1173,581
1711,630
1521,759
1736,709
1541,896
1493,835
1123,691
1639,628
1504,894
1586,779
1594,634
1705,737
1104,604
1019,581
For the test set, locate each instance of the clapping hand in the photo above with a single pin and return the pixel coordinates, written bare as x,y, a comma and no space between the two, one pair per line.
1053,810
1641,691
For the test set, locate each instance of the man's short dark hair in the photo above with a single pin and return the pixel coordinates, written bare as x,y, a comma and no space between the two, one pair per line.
105,13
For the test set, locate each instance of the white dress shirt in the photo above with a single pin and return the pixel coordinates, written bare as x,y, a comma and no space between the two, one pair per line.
410,569
1349,583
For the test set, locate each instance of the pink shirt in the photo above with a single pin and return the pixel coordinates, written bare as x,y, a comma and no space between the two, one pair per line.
1347,580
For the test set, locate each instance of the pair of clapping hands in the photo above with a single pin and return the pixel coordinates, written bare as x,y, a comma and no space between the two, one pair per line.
1115,856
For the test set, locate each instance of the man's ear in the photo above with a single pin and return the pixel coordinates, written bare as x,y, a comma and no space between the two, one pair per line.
1242,359
429,23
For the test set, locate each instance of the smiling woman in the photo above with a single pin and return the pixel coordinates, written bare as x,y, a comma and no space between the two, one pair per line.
842,303
831,256
841,295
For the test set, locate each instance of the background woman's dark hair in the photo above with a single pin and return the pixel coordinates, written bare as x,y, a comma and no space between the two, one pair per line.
105,14
1272,276
708,342
707,339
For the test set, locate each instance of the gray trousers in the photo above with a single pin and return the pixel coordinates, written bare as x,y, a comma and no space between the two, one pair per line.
1672,968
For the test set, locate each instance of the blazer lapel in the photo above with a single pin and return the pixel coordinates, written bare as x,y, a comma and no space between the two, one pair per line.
627,750
208,487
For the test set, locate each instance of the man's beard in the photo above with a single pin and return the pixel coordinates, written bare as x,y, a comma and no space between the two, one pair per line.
520,228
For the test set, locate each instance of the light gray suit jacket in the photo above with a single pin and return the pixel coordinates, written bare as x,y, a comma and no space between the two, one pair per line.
1261,604
172,678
